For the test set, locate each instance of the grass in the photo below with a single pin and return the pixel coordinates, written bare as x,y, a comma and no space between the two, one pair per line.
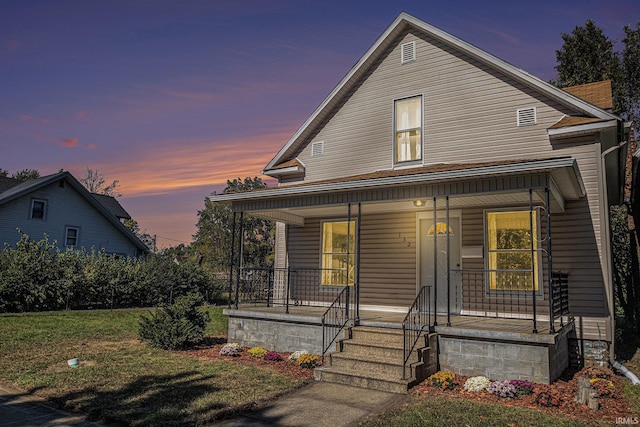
441,411
119,378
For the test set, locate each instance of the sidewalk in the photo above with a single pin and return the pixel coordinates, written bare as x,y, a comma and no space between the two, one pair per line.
20,409
318,404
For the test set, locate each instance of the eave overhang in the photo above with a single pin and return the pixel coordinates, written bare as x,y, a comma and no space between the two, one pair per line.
561,175
579,130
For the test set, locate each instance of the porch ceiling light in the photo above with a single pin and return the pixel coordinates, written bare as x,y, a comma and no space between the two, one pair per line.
419,203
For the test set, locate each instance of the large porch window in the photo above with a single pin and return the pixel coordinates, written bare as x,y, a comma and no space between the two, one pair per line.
508,238
338,253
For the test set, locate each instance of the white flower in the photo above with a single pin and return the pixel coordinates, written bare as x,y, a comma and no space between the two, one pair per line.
296,354
477,383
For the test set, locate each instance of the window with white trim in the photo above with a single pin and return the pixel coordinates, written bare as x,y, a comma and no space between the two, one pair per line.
509,249
38,209
408,130
338,253
71,237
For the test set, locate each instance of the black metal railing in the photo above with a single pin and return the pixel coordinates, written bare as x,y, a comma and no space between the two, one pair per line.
497,293
284,287
335,319
560,293
418,319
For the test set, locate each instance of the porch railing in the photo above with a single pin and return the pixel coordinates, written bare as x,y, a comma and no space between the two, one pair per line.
560,292
284,287
418,319
335,319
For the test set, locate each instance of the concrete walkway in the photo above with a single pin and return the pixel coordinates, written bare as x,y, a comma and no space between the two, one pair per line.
319,404
19,409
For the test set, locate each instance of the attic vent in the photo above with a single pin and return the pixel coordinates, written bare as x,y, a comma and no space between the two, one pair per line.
527,116
317,148
408,52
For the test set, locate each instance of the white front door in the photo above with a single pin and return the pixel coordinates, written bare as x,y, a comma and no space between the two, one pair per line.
439,235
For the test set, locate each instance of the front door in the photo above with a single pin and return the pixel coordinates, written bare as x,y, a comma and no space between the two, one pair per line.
427,259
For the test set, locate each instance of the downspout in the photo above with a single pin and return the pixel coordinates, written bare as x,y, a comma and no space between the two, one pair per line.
607,237
627,373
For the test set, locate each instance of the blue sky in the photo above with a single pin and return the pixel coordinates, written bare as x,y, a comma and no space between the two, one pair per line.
172,98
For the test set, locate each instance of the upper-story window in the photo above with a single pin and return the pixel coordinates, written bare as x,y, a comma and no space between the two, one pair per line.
38,209
408,129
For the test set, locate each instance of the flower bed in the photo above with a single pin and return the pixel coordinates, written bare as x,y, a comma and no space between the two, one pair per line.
557,398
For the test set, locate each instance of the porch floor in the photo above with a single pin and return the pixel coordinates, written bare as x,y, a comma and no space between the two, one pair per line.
461,325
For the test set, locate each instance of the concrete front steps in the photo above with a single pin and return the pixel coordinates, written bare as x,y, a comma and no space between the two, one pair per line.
372,358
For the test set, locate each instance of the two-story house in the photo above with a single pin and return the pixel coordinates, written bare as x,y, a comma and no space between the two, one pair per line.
449,200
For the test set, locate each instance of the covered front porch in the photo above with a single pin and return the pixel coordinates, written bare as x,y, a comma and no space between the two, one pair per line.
461,251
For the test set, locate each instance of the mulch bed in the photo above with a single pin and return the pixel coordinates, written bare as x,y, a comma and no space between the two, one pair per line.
210,350
565,388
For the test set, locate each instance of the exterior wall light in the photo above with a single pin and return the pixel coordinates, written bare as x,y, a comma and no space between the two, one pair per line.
419,203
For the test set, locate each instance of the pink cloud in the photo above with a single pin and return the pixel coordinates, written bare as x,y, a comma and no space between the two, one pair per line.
68,142
29,117
81,115
92,146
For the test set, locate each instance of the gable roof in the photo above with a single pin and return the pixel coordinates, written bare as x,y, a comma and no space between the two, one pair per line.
6,183
402,22
597,93
112,205
24,188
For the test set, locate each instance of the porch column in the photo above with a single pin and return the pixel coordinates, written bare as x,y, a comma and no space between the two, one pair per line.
533,265
240,246
448,266
435,263
552,328
231,249
357,278
348,256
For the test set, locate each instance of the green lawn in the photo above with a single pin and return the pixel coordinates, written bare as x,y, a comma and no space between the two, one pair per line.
121,379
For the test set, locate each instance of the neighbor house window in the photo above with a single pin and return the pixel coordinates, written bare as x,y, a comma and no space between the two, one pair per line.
509,248
71,237
38,208
338,253
408,130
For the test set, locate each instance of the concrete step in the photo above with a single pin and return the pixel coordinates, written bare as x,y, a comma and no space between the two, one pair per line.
392,385
377,335
384,367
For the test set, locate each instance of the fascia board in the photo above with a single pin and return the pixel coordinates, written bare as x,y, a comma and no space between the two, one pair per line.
542,165
580,129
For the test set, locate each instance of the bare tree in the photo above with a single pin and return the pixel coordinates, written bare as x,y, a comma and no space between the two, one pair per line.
95,183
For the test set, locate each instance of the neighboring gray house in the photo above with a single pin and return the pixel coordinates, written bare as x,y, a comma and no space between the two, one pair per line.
60,207
451,201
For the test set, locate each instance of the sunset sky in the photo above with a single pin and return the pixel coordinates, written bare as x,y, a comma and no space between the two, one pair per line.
172,98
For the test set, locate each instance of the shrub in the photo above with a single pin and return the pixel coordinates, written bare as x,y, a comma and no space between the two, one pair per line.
596,372
523,387
443,379
476,384
230,349
272,356
548,398
296,354
603,387
308,361
176,326
257,352
502,389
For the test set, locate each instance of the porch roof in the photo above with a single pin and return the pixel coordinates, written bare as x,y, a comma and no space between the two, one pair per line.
503,182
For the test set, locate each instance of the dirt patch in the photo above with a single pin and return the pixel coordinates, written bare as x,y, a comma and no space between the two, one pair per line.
565,388
210,350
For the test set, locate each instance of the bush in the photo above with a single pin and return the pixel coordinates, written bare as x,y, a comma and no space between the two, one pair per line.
443,379
476,384
523,387
308,361
257,352
502,389
176,326
547,398
603,387
272,356
230,349
296,354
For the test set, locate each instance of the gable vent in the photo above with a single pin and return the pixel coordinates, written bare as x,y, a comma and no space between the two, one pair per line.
408,52
527,116
317,148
